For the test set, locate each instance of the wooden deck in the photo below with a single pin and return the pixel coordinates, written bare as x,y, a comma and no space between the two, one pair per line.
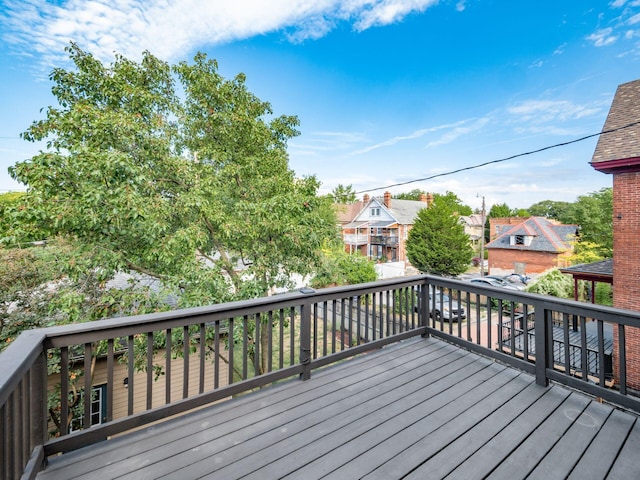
417,409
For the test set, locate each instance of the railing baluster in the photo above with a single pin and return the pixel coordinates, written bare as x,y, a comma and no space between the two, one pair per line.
245,347
281,339
584,353
601,352
87,385
216,353
110,383
149,370
292,335
257,345
168,358
314,320
622,355
270,343
203,354
186,344
231,352
64,390
566,348
130,372
325,331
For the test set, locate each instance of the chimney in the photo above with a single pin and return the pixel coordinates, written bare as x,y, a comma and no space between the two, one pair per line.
365,198
387,199
423,198
429,199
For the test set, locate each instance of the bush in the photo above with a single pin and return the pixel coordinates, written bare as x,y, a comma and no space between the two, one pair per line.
553,283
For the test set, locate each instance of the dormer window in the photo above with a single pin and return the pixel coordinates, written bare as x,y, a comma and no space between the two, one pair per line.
523,240
375,212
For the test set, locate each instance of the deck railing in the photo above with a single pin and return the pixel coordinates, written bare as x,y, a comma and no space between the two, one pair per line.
146,368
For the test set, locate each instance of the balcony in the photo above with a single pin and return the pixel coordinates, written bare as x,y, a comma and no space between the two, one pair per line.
237,390
386,240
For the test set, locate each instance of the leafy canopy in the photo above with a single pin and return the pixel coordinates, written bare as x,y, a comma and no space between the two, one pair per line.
344,194
174,172
437,242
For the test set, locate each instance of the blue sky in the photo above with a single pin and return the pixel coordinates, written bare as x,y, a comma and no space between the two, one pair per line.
387,91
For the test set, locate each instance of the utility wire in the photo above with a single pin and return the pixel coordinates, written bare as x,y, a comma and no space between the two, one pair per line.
472,167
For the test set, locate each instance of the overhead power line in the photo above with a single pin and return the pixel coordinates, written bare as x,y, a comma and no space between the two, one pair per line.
472,167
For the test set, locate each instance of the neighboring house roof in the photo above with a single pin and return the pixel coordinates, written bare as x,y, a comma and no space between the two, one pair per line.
598,271
406,211
474,220
619,151
547,236
346,212
394,211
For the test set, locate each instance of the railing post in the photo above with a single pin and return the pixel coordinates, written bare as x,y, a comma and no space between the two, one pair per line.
39,401
305,340
544,345
424,308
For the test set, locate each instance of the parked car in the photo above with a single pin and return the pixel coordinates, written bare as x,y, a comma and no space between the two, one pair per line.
493,282
445,308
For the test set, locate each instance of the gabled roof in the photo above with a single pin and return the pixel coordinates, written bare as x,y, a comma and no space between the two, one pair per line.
401,212
406,211
347,212
547,236
620,150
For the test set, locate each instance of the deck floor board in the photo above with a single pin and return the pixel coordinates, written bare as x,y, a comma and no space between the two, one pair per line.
418,409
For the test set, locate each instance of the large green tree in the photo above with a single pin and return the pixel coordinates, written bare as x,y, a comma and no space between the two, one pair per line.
594,214
437,242
173,172
451,201
343,194
550,209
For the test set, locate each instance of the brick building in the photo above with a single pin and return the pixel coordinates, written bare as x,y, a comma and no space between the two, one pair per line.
618,153
529,245
379,227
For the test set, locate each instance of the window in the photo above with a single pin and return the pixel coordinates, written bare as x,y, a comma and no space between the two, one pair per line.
375,211
98,408
524,240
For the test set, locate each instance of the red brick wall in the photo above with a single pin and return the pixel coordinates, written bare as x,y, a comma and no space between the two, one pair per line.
536,262
626,262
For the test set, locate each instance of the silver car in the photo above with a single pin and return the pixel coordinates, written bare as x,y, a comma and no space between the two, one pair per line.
442,307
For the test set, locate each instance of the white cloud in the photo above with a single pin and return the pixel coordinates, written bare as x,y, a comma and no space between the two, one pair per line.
460,6
411,136
546,111
459,131
603,37
171,28
560,49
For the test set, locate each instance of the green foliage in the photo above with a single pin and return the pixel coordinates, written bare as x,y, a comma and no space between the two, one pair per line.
500,210
585,252
550,209
594,214
451,201
344,194
181,187
437,242
412,195
553,283
341,268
